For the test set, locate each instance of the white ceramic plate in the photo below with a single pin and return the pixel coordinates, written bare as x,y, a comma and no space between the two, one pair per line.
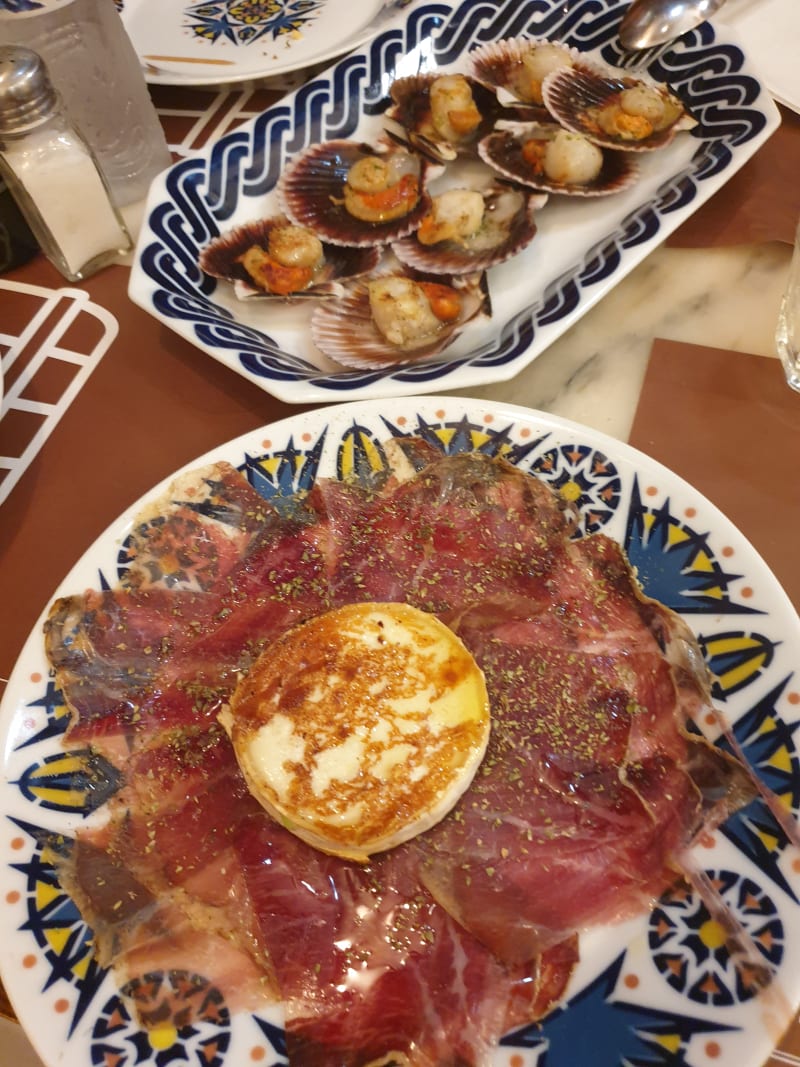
770,27
202,43
660,990
580,252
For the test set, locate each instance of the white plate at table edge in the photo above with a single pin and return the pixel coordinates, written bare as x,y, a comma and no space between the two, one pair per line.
456,369
198,70
509,424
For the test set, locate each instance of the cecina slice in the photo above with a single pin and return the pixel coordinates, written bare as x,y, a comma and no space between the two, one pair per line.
362,727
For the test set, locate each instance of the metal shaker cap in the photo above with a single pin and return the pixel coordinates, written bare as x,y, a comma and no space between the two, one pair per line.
27,96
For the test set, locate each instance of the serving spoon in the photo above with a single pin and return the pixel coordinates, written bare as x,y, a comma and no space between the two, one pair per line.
648,23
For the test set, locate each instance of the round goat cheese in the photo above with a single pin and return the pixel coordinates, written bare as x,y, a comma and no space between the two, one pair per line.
361,728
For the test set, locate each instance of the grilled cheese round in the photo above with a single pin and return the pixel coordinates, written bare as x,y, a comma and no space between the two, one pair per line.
362,727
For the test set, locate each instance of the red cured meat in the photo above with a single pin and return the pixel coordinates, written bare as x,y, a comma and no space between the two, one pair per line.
147,657
464,531
590,791
370,968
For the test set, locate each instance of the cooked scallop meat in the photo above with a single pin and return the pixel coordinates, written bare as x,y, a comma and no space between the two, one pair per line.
350,193
273,257
472,229
616,110
515,67
440,115
395,317
549,158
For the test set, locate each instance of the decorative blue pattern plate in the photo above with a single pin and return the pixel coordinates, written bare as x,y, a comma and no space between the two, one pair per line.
205,42
659,991
581,250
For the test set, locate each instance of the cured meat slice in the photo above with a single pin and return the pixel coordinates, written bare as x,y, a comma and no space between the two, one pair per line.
465,530
161,878
592,787
203,595
372,971
589,727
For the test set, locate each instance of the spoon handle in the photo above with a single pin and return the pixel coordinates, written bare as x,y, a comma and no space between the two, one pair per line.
640,58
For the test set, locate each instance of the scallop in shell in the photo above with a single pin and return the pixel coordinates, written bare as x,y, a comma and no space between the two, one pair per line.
396,316
355,194
548,158
616,110
272,257
515,67
468,230
440,115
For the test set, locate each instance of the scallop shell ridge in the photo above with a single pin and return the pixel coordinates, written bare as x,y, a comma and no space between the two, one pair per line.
219,259
310,193
572,96
343,329
502,151
451,257
498,65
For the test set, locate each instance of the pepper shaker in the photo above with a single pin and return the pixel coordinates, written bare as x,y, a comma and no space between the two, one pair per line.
52,173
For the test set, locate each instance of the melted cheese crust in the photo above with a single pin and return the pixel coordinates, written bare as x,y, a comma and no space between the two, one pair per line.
361,727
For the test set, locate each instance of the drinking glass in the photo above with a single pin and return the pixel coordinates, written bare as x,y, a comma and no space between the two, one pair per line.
787,333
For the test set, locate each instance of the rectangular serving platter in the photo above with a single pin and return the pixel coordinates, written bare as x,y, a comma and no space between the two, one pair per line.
582,248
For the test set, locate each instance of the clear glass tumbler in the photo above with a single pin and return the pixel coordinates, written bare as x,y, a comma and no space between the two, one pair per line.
95,69
787,333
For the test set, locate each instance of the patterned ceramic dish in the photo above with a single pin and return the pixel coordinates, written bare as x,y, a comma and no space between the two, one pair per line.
659,990
580,251
199,43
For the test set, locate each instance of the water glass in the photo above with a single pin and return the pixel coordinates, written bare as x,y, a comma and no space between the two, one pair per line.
787,333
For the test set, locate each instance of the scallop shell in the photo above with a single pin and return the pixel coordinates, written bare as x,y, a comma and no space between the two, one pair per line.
219,259
517,206
310,191
572,96
502,150
344,330
498,65
408,117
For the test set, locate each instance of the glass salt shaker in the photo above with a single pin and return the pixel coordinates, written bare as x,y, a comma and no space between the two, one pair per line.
52,173
97,73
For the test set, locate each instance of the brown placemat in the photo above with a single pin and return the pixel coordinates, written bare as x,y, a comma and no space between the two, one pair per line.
739,212
728,424
153,403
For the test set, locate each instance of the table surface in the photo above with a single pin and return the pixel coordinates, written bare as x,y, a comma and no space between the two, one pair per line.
114,402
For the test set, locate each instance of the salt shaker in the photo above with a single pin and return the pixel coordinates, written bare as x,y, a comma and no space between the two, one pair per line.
52,173
95,69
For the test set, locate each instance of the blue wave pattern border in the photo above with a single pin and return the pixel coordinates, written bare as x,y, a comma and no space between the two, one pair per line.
204,192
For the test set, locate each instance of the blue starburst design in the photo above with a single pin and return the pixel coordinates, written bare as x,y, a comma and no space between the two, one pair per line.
597,1028
203,1034
66,942
692,953
244,22
78,781
736,659
768,746
276,1037
675,563
57,716
586,478
281,475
